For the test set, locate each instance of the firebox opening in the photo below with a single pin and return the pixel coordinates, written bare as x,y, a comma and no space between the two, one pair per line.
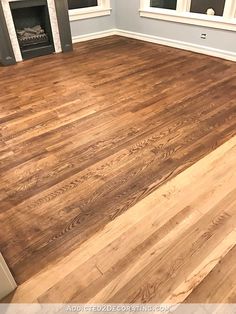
33,27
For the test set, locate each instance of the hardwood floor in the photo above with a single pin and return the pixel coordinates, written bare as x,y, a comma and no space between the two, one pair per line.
176,245
88,134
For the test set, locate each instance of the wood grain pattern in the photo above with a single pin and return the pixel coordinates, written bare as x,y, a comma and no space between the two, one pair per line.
176,245
86,135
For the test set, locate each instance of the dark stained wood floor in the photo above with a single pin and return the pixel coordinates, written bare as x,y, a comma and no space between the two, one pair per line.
86,135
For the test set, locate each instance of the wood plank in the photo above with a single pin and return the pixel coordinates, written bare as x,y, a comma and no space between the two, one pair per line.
176,245
104,127
220,284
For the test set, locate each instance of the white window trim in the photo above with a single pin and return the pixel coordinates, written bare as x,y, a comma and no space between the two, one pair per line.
103,8
182,14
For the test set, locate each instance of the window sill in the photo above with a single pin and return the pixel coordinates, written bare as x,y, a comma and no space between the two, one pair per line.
190,18
88,13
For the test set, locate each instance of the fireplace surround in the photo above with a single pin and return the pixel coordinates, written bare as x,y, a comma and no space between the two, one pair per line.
32,28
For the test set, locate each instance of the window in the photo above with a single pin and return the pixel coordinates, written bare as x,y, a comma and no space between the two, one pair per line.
78,4
164,4
201,6
84,9
210,13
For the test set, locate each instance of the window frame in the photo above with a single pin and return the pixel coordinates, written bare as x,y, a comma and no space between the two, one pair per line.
182,14
103,8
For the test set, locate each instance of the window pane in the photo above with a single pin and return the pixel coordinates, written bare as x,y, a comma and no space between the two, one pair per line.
164,4
201,6
78,4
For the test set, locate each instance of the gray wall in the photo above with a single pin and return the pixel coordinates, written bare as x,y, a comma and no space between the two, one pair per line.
127,18
94,25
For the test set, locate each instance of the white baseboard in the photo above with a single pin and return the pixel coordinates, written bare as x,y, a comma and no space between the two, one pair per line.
7,282
224,54
80,38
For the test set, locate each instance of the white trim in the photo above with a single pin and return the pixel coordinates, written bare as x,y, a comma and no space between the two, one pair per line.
54,26
183,6
182,15
80,38
89,14
190,18
179,44
103,8
223,54
8,283
230,9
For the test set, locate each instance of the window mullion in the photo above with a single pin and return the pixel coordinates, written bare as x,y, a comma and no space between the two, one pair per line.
145,4
230,9
187,5
183,6
179,7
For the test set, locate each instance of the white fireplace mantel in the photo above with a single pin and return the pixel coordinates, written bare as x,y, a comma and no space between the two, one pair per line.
12,31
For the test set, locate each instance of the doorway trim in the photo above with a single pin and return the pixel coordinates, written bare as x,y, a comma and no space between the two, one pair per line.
8,283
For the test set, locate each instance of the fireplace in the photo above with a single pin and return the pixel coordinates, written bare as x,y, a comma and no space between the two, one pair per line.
33,28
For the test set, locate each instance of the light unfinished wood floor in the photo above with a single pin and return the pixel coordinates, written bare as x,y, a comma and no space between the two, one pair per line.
176,245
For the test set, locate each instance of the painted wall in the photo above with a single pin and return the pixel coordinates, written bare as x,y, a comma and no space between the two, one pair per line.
127,18
94,25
